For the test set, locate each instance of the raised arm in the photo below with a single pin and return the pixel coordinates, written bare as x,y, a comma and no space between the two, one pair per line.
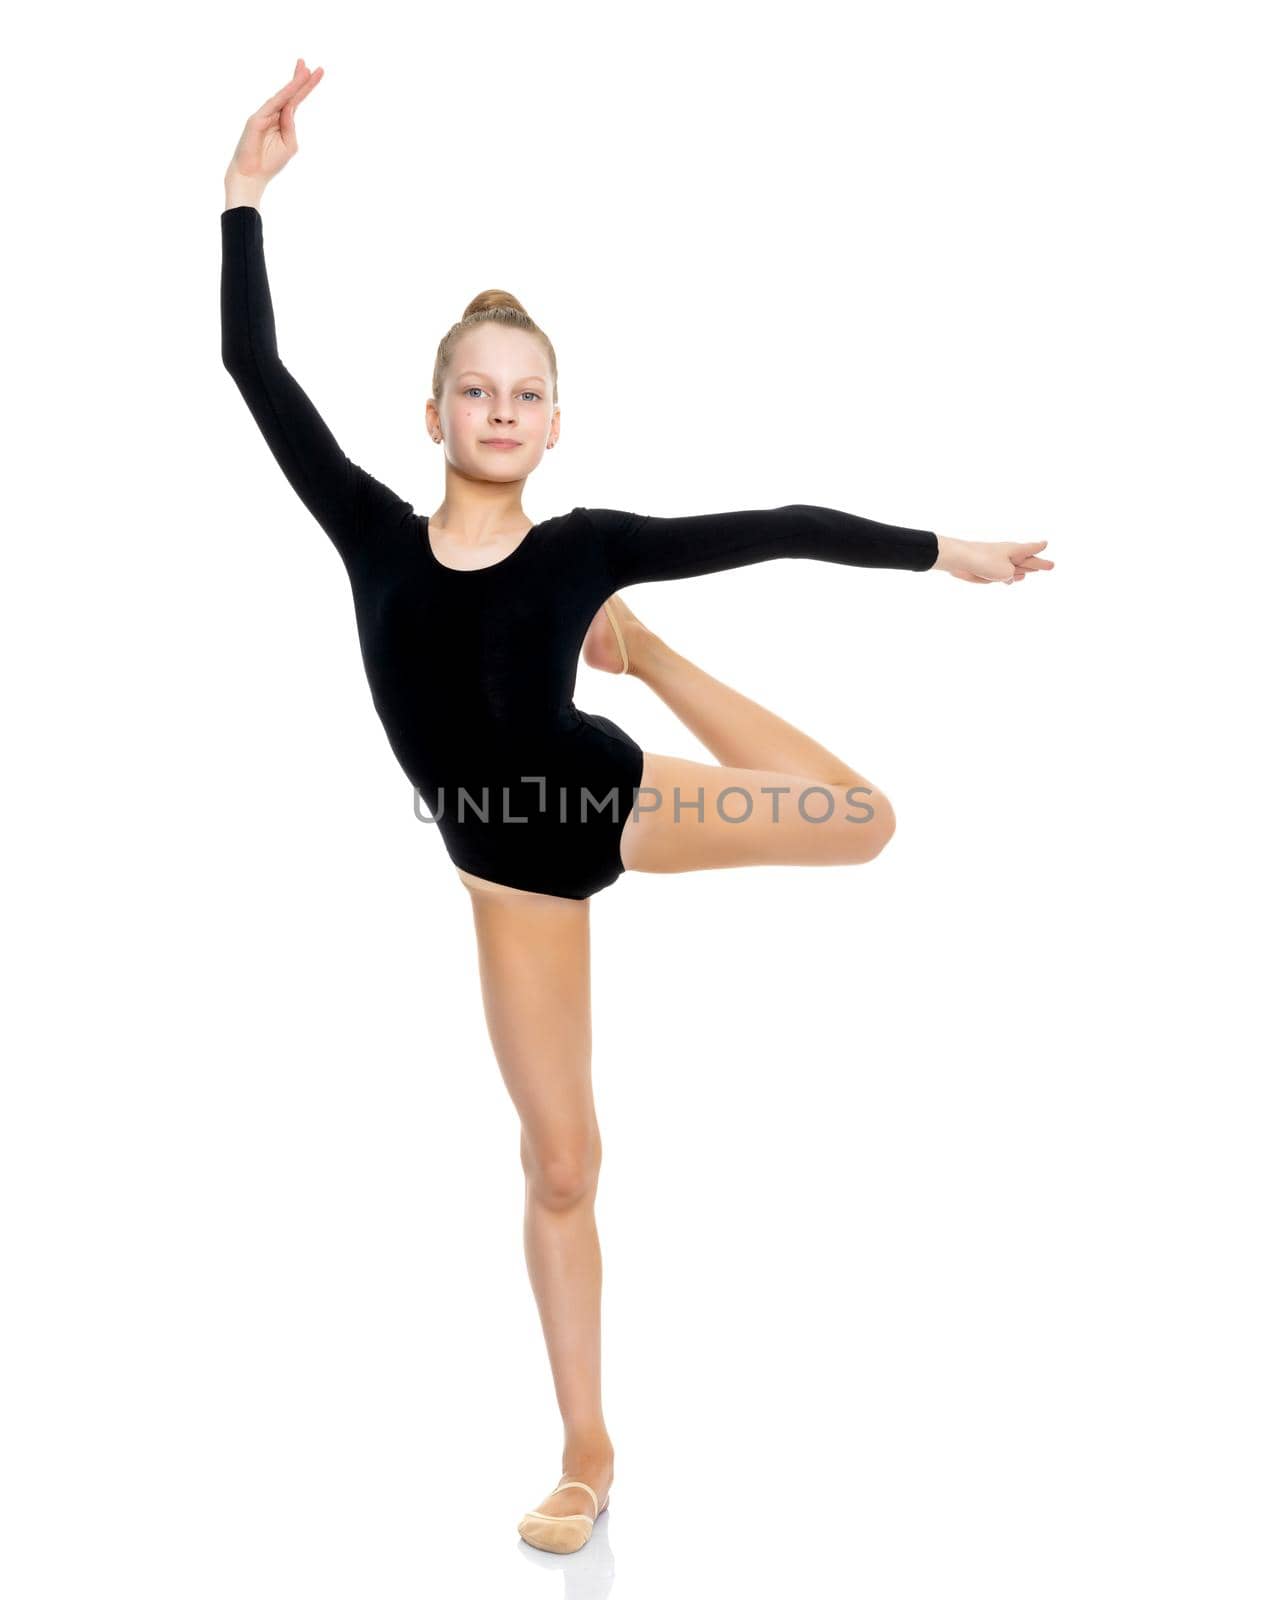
641,549
344,499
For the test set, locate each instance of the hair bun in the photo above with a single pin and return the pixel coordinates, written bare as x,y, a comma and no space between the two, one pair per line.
493,300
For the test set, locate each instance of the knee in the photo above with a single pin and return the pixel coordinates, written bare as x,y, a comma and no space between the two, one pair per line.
562,1176
877,830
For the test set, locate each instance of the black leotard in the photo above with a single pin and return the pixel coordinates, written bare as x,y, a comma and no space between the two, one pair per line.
473,671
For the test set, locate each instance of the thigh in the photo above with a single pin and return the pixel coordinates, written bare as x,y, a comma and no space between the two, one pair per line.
693,815
534,956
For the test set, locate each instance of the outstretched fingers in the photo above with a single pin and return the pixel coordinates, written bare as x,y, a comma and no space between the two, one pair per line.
296,100
1022,559
293,93
269,107
1024,556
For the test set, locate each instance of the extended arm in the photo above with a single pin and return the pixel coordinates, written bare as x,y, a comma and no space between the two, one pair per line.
641,549
344,499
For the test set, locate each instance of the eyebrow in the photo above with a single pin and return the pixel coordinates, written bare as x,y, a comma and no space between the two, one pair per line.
470,372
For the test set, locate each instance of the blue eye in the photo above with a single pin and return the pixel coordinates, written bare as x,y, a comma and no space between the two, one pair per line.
476,389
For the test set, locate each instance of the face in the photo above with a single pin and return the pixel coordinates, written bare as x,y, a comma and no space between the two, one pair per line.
498,386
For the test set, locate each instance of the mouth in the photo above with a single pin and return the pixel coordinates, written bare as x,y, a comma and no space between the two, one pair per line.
502,444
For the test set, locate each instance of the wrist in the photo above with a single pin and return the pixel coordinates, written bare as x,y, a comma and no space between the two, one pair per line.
243,191
948,550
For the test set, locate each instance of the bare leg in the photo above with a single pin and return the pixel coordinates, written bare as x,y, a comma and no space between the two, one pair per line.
534,953
778,796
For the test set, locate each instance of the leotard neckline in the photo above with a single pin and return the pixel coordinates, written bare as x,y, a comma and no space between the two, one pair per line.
471,572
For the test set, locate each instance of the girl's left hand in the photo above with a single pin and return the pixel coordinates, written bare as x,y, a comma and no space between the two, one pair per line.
1000,562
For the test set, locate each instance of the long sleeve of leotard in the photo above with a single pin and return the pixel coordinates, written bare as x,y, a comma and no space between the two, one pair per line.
344,499
641,549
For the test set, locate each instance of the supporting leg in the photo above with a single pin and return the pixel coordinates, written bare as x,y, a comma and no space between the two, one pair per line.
534,953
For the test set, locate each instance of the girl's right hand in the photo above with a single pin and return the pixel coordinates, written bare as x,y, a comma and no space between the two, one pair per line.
269,138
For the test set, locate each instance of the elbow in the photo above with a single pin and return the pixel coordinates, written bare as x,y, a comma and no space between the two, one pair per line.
238,359
232,354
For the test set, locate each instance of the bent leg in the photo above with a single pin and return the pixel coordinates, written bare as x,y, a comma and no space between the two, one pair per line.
534,956
778,797
690,816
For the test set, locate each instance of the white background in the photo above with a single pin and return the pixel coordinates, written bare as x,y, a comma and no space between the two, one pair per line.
939,1198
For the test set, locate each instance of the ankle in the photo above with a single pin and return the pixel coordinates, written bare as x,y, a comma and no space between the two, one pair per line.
586,1449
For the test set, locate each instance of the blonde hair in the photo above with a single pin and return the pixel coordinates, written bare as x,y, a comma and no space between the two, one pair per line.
490,305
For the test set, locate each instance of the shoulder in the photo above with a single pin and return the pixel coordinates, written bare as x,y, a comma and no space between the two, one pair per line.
575,540
606,519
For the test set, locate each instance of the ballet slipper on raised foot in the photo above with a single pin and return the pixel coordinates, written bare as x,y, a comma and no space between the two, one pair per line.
617,633
564,1534
605,645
